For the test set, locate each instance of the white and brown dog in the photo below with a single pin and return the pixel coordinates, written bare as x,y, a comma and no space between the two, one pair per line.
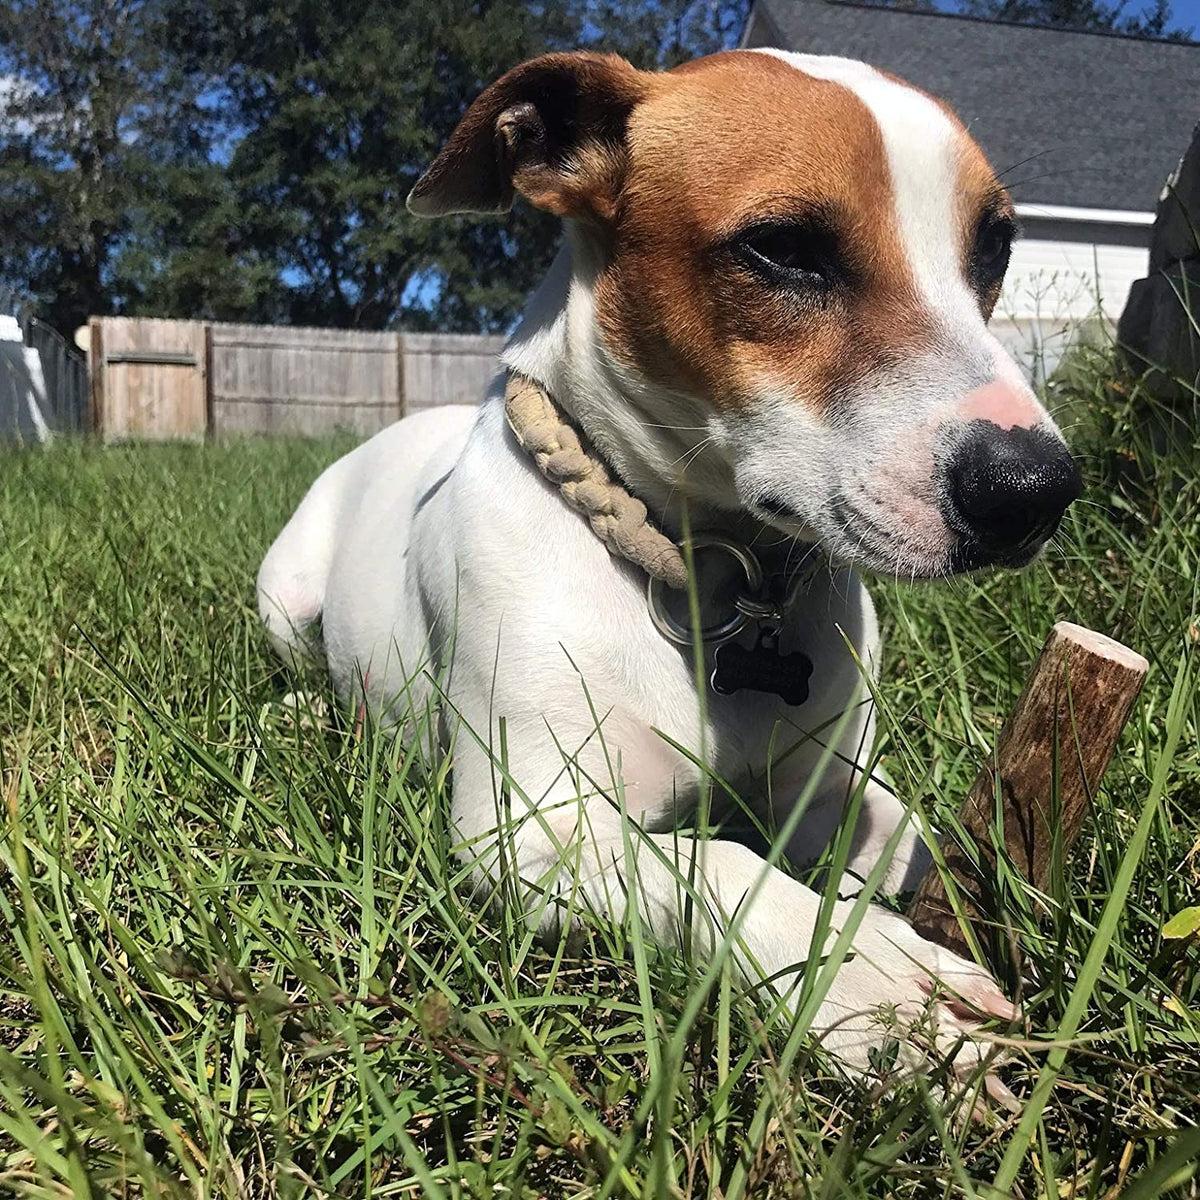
771,308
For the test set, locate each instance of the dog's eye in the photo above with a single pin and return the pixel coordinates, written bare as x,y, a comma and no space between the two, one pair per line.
789,254
993,246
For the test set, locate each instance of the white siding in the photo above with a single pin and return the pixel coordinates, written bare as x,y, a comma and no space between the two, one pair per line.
1057,291
1070,279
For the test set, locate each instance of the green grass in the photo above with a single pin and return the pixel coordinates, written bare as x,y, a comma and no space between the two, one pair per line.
239,959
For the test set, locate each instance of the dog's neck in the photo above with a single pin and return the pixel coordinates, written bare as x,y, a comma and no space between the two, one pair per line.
660,442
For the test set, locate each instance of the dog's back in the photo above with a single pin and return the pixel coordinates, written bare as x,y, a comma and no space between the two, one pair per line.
387,474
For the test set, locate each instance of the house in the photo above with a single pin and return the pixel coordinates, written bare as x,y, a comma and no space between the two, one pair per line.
1083,126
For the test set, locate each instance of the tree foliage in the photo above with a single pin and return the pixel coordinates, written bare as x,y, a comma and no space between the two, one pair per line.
1152,21
105,176
246,160
333,111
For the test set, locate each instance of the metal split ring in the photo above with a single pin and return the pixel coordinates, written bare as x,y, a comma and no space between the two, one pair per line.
749,605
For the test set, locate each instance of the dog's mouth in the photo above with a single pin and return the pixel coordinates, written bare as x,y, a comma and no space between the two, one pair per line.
968,554
776,507
777,511
913,561
911,540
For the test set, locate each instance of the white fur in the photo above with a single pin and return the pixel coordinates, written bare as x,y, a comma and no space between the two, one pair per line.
446,570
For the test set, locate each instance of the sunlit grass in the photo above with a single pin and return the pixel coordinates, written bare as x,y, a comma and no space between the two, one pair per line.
240,959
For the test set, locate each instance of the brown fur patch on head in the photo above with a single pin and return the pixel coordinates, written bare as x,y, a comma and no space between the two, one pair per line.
732,141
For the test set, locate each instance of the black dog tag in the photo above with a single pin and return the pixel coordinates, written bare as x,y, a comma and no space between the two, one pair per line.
761,669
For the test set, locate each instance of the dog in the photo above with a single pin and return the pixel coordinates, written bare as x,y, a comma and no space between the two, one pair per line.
768,321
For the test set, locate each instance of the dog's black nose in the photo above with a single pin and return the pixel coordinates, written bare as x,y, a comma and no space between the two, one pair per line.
1008,488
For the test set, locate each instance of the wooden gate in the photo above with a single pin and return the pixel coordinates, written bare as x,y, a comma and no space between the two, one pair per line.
148,379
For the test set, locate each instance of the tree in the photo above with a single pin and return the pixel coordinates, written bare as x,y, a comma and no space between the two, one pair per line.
333,112
1154,21
100,134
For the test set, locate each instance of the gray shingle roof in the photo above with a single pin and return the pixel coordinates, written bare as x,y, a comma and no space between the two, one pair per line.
1107,117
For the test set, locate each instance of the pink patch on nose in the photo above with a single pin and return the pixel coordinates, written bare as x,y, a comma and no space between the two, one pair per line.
1002,404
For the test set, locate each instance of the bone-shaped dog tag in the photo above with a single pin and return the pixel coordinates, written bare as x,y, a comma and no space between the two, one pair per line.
761,669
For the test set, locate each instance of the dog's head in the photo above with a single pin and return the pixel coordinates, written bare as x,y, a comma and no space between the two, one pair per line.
811,250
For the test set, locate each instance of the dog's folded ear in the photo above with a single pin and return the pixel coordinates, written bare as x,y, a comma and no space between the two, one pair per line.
552,129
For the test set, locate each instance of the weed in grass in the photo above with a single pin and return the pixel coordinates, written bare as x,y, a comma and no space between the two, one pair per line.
239,957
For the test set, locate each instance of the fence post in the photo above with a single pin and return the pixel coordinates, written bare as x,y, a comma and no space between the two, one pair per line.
210,430
400,379
96,376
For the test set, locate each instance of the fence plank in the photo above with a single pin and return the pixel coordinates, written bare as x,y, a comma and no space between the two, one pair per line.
448,368
236,418
284,380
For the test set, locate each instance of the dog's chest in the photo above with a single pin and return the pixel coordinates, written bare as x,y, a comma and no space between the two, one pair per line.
752,739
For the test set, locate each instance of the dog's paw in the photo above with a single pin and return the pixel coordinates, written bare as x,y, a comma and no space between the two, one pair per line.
901,1003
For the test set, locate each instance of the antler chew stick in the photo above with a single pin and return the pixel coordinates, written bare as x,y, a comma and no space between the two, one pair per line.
1079,695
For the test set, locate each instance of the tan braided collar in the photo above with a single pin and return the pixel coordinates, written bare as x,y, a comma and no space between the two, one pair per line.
618,518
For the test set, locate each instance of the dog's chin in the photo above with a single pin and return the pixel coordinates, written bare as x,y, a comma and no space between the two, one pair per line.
867,546
969,555
777,514
907,560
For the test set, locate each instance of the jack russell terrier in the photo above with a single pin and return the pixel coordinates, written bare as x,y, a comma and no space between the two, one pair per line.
768,327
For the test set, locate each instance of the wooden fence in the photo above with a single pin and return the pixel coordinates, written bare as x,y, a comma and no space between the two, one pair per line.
447,368
279,380
158,379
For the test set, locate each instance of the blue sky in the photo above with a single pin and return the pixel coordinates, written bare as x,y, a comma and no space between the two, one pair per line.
1183,12
1187,12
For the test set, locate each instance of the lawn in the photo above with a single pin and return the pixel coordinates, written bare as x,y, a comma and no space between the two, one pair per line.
238,958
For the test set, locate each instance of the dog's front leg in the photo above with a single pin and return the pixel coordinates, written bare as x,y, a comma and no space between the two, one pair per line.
879,814
566,855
